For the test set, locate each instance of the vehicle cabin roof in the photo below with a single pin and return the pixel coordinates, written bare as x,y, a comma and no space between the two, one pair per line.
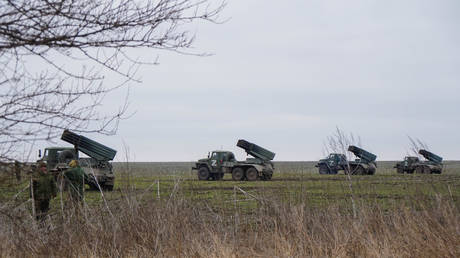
221,151
60,148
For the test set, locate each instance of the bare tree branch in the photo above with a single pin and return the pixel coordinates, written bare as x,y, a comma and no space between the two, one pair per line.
55,56
416,145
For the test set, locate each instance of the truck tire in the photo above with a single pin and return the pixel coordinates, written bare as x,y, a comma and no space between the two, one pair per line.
358,170
419,170
266,176
400,170
323,170
252,174
238,174
371,171
427,170
436,171
203,173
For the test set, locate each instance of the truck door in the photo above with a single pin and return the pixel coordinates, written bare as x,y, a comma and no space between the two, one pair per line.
216,161
332,160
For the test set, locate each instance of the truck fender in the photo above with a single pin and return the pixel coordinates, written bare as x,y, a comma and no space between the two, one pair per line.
259,168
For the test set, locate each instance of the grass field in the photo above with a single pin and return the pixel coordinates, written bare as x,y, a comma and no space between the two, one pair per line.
161,209
298,182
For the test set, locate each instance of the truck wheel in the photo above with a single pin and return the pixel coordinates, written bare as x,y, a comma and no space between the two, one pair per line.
266,176
237,174
419,170
358,171
252,174
427,170
437,171
371,171
400,170
203,173
323,170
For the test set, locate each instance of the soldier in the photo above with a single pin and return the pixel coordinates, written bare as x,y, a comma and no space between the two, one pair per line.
75,179
17,170
44,189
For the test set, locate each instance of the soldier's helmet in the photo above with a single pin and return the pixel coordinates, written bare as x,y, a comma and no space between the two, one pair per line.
73,163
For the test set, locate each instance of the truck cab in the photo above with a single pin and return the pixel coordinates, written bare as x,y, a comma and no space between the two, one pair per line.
332,163
336,159
215,165
410,160
407,165
56,157
217,160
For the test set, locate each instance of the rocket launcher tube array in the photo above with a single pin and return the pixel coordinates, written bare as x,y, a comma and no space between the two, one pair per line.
89,147
430,156
255,150
362,154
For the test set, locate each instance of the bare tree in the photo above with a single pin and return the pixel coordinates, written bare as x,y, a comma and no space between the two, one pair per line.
338,143
56,54
416,145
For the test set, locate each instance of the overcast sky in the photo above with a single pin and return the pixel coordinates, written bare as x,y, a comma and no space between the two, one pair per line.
284,74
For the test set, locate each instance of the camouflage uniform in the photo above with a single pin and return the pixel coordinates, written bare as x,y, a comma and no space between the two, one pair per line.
17,170
44,189
75,182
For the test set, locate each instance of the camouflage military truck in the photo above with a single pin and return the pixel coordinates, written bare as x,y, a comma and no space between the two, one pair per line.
220,162
433,164
97,167
335,162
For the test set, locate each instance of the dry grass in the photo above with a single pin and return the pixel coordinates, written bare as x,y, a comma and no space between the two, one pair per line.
178,228
137,224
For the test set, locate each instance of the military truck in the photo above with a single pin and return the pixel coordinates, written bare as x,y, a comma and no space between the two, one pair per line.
97,167
364,165
410,164
220,162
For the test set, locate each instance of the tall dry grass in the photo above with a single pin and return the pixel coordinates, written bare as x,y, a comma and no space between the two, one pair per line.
140,226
